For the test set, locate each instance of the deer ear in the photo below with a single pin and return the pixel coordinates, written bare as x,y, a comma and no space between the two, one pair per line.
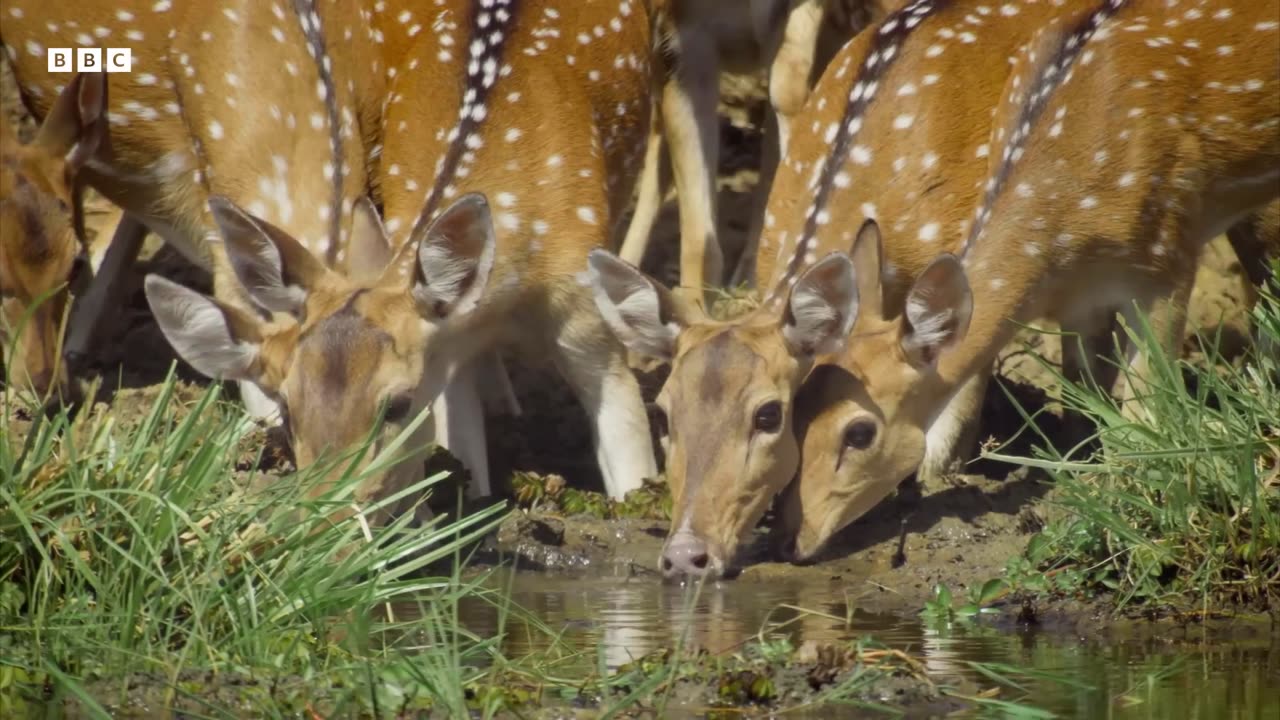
77,122
455,257
216,339
91,103
937,312
867,254
643,314
73,131
370,248
822,307
275,269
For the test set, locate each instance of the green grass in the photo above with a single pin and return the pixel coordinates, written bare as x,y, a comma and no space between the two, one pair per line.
1183,507
141,551
147,562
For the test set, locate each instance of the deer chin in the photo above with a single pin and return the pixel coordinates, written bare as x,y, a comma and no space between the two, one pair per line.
802,529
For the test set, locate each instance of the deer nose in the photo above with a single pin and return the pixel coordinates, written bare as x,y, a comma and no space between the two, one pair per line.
686,554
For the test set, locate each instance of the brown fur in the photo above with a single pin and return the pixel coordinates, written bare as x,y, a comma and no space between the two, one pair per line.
1139,244
39,248
163,164
408,303
221,100
970,78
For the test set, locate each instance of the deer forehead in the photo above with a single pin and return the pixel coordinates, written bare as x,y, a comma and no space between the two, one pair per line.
340,359
37,233
719,366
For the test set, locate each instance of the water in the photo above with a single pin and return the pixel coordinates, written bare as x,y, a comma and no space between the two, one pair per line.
1171,677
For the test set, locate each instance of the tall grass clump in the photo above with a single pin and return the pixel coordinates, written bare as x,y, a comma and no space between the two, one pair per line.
144,549
1182,507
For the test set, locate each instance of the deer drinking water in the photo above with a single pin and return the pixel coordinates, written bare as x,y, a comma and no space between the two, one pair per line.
506,136
727,404
242,171
42,248
1104,192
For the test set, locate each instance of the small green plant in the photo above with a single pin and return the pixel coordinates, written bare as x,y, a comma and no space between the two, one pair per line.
940,609
1183,506
550,493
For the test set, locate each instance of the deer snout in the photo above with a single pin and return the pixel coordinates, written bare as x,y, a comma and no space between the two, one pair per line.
686,554
794,538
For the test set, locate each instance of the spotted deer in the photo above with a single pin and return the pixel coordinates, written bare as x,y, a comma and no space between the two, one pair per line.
257,176
1102,191
699,38
42,247
504,143
880,137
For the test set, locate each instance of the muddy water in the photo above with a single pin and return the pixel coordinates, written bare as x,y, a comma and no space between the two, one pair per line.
1171,673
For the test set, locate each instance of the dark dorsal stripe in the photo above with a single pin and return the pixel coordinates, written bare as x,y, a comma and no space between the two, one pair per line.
312,30
491,22
884,53
1050,74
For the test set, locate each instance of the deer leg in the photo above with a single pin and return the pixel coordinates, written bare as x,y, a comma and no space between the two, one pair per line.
953,436
499,395
1088,346
691,127
1252,242
458,417
597,371
1166,319
792,67
654,179
1255,239
258,404
744,273
105,291
790,76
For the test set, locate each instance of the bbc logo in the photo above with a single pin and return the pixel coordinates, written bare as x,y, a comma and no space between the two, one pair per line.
112,60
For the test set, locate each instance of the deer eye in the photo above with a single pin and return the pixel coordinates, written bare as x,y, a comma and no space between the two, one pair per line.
859,434
768,417
398,408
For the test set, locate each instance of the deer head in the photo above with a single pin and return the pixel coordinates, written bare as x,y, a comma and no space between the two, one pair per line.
725,411
41,255
864,414
349,347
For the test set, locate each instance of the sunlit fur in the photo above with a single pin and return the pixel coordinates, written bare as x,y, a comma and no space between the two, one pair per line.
39,248
1082,231
389,314
720,489
727,401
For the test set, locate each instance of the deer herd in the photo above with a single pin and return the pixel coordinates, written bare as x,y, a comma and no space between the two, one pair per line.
391,196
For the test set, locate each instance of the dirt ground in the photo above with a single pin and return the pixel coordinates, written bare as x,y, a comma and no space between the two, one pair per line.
957,533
